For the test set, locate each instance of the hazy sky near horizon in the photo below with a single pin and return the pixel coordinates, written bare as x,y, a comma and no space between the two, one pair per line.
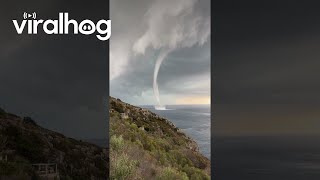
144,30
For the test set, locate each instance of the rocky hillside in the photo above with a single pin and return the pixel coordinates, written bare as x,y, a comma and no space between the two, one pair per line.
144,145
23,143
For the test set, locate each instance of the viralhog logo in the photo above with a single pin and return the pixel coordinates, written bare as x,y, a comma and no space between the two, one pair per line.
61,26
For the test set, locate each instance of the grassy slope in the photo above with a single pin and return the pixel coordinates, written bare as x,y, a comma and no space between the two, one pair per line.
31,143
146,146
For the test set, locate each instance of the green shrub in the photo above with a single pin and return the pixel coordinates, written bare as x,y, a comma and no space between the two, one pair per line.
117,143
31,146
149,144
122,167
195,173
138,142
163,159
169,173
180,158
117,107
15,168
12,131
7,168
199,177
133,126
164,145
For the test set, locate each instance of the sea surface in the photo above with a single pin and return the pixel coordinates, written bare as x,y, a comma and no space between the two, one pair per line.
194,120
266,158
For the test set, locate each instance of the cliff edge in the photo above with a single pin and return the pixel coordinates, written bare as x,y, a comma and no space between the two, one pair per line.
144,145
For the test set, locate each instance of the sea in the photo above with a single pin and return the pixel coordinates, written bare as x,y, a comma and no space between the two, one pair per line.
273,157
193,120
269,157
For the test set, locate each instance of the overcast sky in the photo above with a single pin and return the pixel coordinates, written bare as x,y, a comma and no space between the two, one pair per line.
266,74
58,80
146,29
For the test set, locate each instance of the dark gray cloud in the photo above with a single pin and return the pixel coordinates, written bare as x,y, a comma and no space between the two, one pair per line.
60,81
134,51
266,60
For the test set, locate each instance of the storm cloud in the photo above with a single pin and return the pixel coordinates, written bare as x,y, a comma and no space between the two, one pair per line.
266,68
177,30
58,80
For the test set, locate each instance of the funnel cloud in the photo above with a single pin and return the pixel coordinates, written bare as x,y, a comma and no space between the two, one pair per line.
172,37
161,57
